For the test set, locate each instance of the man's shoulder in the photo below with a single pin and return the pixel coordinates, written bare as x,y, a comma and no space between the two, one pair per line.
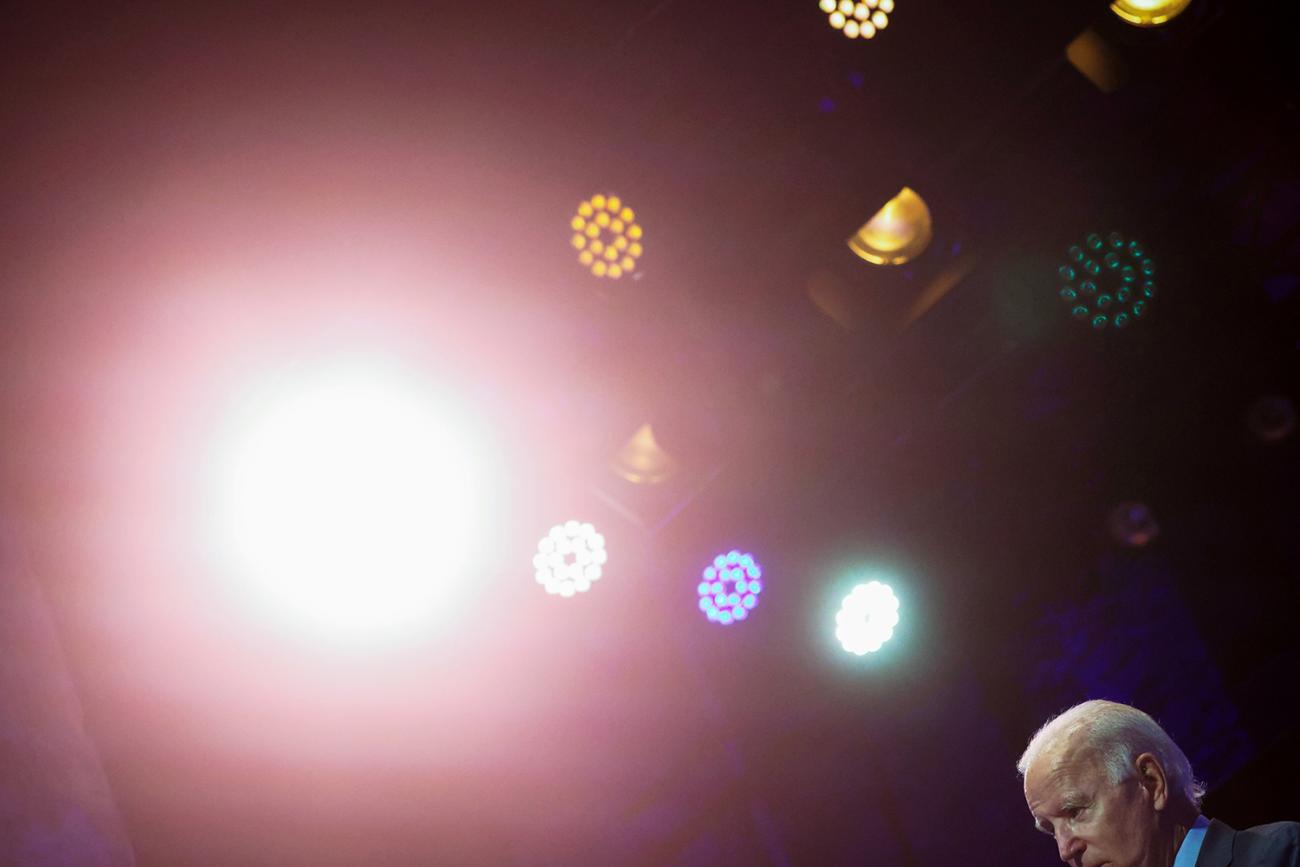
1274,843
1284,830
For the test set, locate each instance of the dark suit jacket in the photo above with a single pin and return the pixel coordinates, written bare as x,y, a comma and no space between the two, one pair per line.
1275,845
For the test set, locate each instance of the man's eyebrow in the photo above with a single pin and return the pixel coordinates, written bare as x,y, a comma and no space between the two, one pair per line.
1069,801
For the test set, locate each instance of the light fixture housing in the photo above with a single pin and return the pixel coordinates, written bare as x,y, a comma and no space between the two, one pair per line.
1149,13
897,233
642,461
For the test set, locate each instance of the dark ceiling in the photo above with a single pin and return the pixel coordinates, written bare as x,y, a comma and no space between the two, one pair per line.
193,191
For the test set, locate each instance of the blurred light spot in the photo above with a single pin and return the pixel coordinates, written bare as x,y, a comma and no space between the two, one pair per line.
349,500
1272,418
570,558
1097,60
867,618
1133,525
605,231
730,587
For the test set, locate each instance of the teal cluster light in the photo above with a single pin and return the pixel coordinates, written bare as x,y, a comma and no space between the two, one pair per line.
1107,281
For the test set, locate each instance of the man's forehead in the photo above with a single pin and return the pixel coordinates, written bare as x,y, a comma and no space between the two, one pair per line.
1068,748
1055,774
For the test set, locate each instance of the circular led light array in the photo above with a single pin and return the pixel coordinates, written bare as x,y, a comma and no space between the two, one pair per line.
606,236
1107,281
867,618
856,20
569,558
729,587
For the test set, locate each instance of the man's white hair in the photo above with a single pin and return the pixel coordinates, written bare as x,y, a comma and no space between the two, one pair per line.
1119,734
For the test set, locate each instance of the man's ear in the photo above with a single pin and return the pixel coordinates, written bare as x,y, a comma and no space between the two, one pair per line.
1151,777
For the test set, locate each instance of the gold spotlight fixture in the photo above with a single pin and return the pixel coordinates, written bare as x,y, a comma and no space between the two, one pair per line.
858,20
642,461
1149,13
606,235
898,233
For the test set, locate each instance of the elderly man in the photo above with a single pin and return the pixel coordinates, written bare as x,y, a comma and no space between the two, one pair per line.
1113,789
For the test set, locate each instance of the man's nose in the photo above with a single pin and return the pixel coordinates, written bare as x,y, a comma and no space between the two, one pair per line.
1069,847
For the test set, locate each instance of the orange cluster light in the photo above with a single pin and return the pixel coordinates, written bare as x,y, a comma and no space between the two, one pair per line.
858,20
607,236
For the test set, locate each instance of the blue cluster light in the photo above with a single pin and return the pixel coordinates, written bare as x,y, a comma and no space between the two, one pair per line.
1107,281
730,587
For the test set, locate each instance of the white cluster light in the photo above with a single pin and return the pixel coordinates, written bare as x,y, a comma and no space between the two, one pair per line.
867,618
856,20
569,558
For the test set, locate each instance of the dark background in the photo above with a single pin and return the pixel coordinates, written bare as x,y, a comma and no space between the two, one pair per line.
192,191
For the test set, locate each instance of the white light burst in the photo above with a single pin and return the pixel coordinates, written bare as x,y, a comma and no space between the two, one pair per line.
569,558
350,498
867,618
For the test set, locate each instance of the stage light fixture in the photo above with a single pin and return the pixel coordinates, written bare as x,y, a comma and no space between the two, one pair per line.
858,20
897,233
730,587
570,558
642,461
1149,13
607,237
1107,281
867,618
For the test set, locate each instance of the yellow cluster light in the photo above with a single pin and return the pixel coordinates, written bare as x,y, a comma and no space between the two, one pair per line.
607,237
858,20
1149,13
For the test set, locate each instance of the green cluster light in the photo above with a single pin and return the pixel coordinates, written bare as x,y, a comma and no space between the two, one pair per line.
1107,281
